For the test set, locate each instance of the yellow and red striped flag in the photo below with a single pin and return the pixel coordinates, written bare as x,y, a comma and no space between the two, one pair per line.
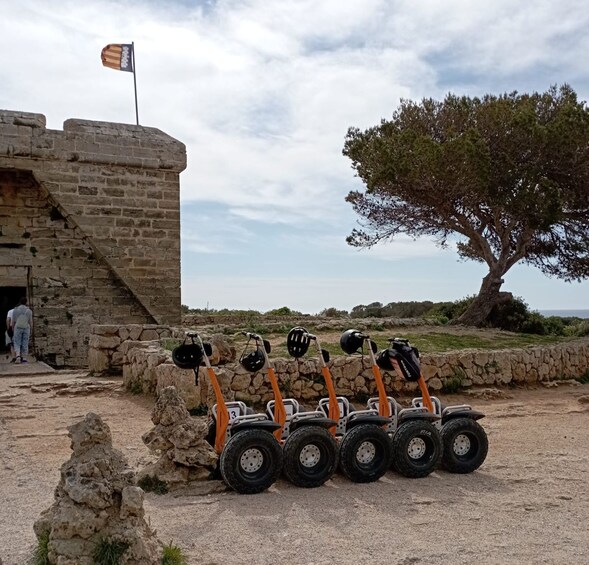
118,56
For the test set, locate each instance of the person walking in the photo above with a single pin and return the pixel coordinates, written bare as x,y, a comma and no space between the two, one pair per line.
22,323
9,335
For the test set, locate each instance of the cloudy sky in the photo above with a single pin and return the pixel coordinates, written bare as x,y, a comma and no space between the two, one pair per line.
262,94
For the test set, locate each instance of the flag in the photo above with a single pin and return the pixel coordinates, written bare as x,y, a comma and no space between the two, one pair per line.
118,56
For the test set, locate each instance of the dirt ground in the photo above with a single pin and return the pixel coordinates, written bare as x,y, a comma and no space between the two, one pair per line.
529,502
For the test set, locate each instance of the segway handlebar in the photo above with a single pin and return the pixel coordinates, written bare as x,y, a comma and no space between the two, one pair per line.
251,335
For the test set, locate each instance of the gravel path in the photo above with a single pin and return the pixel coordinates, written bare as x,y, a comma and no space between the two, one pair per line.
529,503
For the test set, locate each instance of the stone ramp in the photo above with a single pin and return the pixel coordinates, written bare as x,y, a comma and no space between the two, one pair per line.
33,367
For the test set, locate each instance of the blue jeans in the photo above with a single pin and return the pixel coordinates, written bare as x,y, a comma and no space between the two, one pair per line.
21,341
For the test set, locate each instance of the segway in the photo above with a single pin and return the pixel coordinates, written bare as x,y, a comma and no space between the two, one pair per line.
416,442
310,450
250,457
365,448
465,443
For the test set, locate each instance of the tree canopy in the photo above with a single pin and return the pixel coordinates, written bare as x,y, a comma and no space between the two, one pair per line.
505,176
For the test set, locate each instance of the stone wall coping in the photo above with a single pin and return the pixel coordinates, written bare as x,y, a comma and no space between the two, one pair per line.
89,141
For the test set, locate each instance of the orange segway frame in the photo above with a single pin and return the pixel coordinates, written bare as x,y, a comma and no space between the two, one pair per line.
279,408
222,412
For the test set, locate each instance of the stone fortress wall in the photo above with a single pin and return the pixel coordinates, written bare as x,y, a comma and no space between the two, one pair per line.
148,368
89,227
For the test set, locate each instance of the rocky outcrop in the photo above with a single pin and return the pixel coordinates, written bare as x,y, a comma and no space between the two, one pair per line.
179,441
96,501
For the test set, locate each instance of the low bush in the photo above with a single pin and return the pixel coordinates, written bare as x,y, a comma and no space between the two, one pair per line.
41,552
150,483
173,555
109,552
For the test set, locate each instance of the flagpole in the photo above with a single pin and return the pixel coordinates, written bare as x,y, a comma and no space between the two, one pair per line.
135,82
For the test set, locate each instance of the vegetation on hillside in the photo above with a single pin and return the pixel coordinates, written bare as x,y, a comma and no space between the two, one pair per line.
512,315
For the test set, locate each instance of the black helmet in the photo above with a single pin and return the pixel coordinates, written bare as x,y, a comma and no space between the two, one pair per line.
297,342
383,360
351,341
253,361
187,355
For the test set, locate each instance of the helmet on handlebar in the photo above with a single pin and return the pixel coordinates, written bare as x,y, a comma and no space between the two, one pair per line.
297,342
253,361
187,355
351,341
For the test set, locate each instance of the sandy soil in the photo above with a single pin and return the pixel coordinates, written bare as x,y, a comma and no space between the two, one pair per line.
529,503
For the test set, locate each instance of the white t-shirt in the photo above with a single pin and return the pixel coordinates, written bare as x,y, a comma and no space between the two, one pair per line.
9,315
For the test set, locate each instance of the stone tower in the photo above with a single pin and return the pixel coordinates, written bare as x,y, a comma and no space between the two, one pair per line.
89,228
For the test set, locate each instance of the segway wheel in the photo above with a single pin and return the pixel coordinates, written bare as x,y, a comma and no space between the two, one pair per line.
365,453
465,445
251,461
310,456
417,449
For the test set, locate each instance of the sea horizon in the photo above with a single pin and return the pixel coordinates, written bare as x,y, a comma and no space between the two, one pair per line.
564,313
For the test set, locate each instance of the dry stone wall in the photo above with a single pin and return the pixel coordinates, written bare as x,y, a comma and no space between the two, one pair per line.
152,370
109,344
89,227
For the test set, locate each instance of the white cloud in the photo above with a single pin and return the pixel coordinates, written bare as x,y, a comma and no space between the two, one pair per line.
262,93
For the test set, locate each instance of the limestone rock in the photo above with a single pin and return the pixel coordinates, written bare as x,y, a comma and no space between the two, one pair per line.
96,500
179,440
225,352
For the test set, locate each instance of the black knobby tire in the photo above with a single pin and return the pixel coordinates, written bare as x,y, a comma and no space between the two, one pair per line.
211,433
365,453
465,445
251,461
417,449
210,438
310,456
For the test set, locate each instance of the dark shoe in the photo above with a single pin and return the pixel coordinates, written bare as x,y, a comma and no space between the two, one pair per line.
23,361
13,360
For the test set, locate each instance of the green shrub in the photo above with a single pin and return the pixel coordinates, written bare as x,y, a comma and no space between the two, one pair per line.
584,378
134,387
455,382
173,555
109,552
169,344
582,329
41,553
283,311
534,324
449,310
333,313
151,483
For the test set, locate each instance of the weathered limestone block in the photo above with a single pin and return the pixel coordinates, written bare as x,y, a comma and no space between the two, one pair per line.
132,503
241,382
223,352
104,341
149,335
435,383
183,380
98,360
352,369
429,371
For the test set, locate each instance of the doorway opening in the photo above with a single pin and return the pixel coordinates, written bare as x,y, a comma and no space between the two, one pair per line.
9,298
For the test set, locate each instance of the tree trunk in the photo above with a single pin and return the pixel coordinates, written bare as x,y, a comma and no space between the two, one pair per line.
480,308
